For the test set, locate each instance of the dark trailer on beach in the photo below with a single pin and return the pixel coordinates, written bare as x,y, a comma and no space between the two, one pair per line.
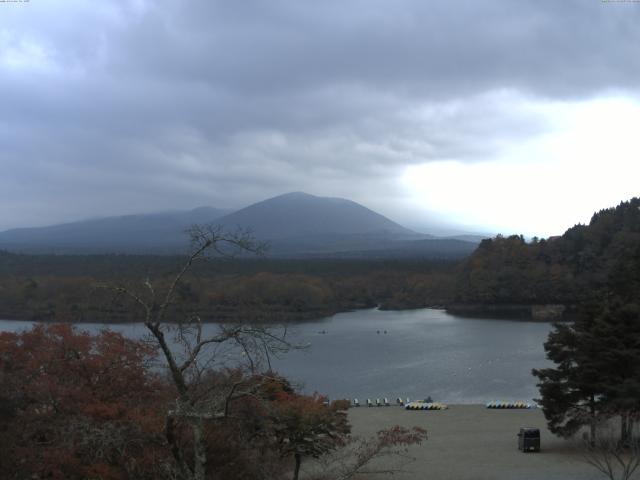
529,439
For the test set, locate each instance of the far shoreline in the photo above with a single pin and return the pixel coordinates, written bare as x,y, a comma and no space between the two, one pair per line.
512,312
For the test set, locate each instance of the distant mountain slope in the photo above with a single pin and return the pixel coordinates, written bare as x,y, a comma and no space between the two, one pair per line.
432,249
294,225
155,232
476,239
300,215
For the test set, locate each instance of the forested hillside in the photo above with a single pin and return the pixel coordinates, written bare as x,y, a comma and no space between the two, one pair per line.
66,288
560,270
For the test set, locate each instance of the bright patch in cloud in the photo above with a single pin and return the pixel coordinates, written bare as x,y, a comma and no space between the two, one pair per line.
21,54
590,160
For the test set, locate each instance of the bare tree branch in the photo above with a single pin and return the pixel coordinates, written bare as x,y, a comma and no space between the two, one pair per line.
614,458
197,404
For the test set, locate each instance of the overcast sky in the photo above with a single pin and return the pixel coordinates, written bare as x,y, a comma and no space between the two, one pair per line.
503,116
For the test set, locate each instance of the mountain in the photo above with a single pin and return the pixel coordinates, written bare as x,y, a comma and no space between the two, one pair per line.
294,225
300,215
154,233
301,225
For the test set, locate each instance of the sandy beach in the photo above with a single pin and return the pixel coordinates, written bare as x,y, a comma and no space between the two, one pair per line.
471,442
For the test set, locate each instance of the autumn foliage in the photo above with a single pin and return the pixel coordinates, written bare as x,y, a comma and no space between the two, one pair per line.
78,406
81,406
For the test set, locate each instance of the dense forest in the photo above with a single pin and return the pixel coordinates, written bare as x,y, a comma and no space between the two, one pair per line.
505,275
563,270
67,288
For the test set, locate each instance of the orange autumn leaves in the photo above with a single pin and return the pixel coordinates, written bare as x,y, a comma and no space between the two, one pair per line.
76,406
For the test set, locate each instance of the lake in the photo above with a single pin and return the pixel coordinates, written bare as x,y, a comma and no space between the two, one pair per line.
414,353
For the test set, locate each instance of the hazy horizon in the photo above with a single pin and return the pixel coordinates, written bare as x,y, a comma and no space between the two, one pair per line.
469,116
443,229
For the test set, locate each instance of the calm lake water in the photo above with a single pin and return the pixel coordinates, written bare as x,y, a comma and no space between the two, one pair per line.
423,353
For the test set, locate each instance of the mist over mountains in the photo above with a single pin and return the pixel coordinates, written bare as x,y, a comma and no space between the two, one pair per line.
293,224
161,232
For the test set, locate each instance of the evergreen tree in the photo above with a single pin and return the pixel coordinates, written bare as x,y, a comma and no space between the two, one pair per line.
617,327
571,392
597,372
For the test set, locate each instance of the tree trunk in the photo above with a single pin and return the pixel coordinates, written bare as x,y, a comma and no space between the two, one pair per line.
624,429
296,472
592,407
199,450
184,472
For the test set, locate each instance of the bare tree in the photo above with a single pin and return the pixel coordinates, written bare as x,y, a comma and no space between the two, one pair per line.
385,453
190,351
615,457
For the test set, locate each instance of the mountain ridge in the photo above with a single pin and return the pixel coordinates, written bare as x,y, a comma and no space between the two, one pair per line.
136,231
298,214
294,223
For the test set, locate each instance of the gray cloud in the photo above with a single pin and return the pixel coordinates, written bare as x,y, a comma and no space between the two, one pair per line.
141,105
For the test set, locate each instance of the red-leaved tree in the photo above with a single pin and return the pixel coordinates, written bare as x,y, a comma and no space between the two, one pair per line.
76,406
